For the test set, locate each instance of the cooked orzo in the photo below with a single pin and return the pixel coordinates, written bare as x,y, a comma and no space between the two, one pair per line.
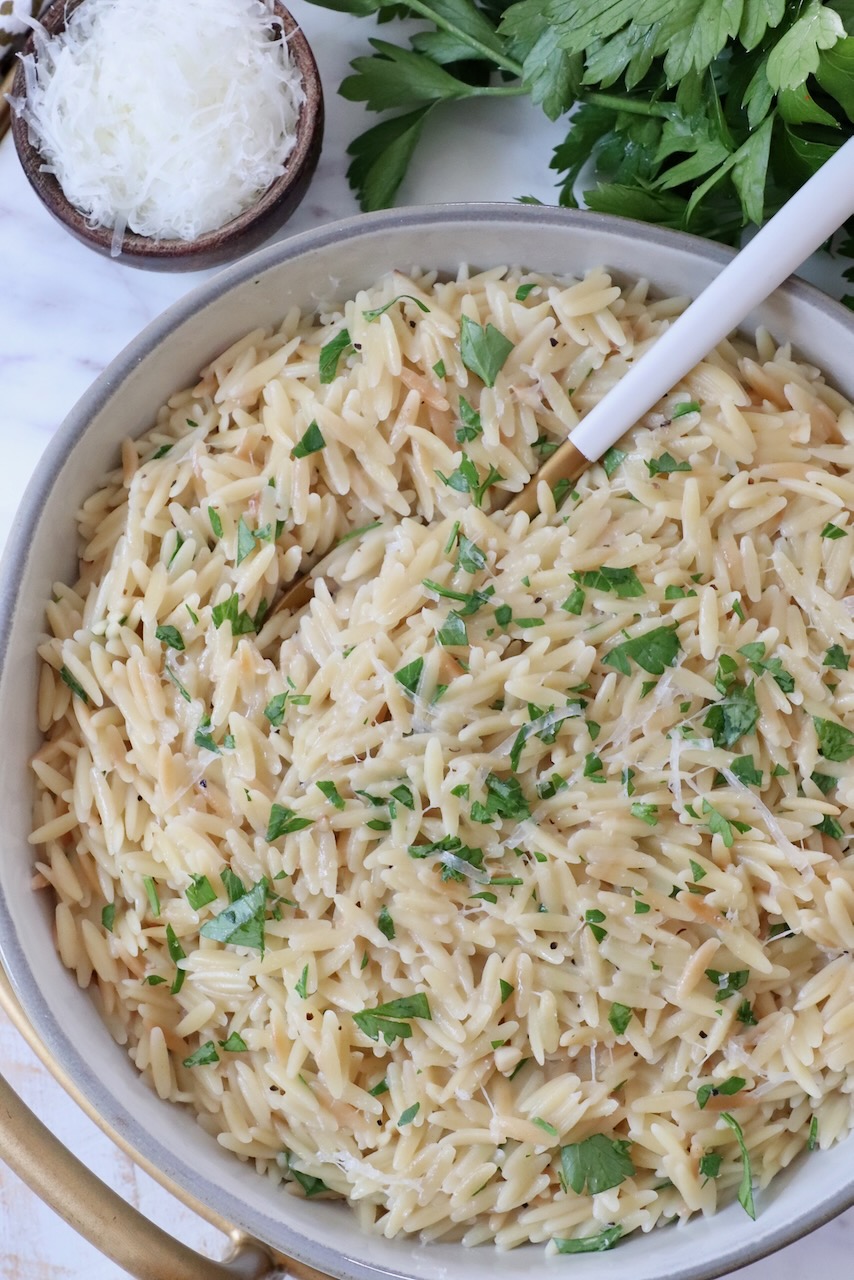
503,888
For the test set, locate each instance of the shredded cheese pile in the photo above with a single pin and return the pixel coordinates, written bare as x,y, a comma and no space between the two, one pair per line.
169,118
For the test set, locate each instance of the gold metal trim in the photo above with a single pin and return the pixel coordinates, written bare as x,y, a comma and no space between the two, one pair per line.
94,1210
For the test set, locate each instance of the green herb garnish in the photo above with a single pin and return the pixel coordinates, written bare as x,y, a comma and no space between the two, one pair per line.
391,1021
311,442
596,1164
484,349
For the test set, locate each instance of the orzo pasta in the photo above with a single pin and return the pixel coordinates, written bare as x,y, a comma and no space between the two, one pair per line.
502,889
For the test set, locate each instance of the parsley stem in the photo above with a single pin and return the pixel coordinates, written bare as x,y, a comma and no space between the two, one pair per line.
426,11
631,106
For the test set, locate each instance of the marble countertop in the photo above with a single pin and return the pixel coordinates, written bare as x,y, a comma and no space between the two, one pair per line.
65,314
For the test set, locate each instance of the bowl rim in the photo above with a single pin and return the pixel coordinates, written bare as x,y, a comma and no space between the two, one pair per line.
190,253
189,1184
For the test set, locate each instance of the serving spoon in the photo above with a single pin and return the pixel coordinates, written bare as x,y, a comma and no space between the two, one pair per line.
800,227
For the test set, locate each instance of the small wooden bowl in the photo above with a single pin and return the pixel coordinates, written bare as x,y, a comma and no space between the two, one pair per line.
236,238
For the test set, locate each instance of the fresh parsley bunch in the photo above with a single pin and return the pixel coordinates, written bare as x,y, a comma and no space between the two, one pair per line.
703,115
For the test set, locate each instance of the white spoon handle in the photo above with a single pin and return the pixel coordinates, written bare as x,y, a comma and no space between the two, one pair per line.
800,227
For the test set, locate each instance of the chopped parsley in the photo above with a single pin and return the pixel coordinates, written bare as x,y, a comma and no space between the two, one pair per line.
523,291
687,406
744,1014
726,1089
470,424
595,918
745,1190
204,1055
484,350
216,522
74,685
151,894
541,1123
200,893
379,1089
574,602
647,813
108,916
653,651
469,557
619,1016
245,541
171,637
611,460
466,479
832,531
311,1186
241,923
176,953
385,923
506,989
194,617
357,533
234,1044
835,742
409,677
284,822
666,465
728,984
241,622
330,790
504,799
301,987
624,582
745,770
376,312
453,634
233,885
409,1115
590,1244
734,716
710,1164
391,1021
837,658
721,826
596,1164
439,369
203,739
311,442
330,354
812,1140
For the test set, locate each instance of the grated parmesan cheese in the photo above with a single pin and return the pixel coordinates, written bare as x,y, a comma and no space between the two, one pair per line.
168,118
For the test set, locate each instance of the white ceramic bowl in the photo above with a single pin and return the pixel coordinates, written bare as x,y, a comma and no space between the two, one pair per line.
335,261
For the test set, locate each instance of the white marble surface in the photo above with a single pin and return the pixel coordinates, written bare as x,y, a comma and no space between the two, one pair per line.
64,314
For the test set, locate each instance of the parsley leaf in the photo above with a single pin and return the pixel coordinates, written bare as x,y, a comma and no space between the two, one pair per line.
330,354
108,916
391,1021
75,686
410,676
466,479
596,1164
653,651
726,1089
385,923
484,350
666,465
330,790
734,717
745,1190
471,426
234,1044
407,1116
590,1244
837,658
728,984
200,892
284,822
611,460
204,1055
241,923
301,986
835,742
620,1016
470,557
647,813
624,582
832,531
380,311
171,637
311,442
